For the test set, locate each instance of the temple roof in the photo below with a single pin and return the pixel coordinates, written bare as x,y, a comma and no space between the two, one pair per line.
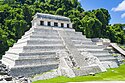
49,16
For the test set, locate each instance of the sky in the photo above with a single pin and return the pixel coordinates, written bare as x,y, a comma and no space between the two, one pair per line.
116,8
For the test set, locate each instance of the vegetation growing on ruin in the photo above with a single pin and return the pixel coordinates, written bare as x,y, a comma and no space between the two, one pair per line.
114,74
16,16
122,46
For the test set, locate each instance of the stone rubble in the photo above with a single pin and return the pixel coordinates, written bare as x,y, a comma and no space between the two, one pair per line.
46,75
6,78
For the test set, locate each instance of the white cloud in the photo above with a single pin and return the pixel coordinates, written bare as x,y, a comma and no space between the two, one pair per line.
120,7
123,15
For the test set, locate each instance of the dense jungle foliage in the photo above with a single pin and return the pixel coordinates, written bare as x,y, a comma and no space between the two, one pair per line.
16,17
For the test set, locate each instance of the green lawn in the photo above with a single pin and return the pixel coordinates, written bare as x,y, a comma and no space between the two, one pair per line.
115,74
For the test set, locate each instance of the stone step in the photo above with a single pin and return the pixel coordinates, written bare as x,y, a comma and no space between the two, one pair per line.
68,32
87,70
43,48
99,52
43,53
46,37
109,48
43,33
116,54
35,42
75,37
88,49
43,37
56,31
49,32
106,58
30,70
37,48
8,61
110,64
112,51
87,46
80,39
71,32
58,46
11,56
31,30
27,33
38,42
40,34
34,65
69,29
65,29
38,45
23,40
74,34
29,61
34,55
20,44
36,61
55,28
102,55
83,42
25,36
37,39
37,55
44,30
18,50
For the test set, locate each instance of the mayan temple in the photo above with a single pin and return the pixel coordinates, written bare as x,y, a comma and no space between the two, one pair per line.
52,43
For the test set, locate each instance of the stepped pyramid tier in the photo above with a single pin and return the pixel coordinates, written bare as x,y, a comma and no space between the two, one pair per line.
50,44
112,48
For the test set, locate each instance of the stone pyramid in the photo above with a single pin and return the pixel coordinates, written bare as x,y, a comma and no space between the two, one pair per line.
50,44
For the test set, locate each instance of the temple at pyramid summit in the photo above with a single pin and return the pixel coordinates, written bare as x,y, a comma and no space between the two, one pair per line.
52,43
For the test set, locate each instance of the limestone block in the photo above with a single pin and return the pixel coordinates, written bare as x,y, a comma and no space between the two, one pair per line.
31,70
42,48
65,66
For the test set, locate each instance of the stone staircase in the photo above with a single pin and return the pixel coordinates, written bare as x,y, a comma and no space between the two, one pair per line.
36,52
84,44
